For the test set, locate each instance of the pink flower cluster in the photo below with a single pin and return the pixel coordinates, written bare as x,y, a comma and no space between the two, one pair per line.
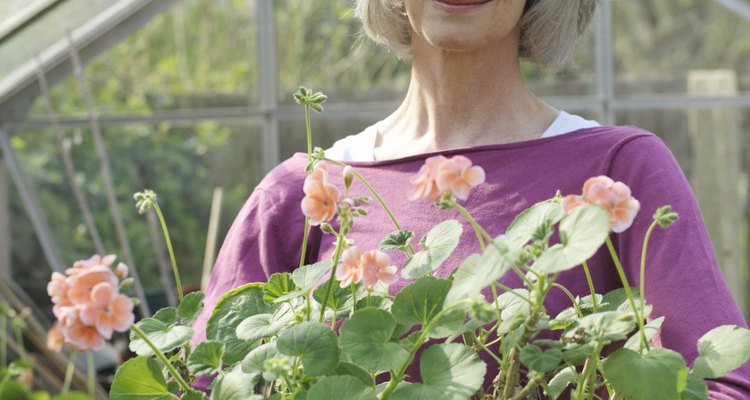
369,268
439,175
615,197
321,197
88,304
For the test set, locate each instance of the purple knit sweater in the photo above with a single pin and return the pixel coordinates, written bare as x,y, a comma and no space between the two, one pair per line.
683,280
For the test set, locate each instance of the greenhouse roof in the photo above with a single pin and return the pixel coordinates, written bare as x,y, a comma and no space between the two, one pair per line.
45,29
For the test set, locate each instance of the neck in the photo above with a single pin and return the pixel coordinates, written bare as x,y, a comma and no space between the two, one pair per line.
458,99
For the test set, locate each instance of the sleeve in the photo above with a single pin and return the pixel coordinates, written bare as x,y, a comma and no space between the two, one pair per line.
253,250
683,279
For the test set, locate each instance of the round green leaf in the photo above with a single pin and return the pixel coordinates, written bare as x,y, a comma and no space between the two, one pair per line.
253,361
234,385
265,325
308,276
340,299
314,343
233,308
696,388
349,369
340,387
650,329
533,357
278,285
439,243
139,378
190,307
722,350
166,337
513,309
366,338
523,227
559,382
449,372
421,301
582,232
660,374
604,327
206,358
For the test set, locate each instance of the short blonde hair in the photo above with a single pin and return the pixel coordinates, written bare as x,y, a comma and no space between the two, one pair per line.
549,28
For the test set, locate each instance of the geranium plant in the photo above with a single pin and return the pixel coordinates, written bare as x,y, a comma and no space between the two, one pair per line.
331,329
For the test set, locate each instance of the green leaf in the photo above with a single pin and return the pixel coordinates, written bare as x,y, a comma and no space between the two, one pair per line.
316,344
696,388
657,375
194,395
421,301
206,358
340,387
559,382
278,285
439,243
614,300
233,308
452,323
722,350
545,361
265,325
350,369
398,240
582,233
340,299
167,315
191,306
530,220
513,309
166,337
234,385
308,276
650,329
366,338
480,271
449,372
139,378
253,361
603,327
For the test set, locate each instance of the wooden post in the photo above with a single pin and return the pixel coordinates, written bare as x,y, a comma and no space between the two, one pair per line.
213,230
716,177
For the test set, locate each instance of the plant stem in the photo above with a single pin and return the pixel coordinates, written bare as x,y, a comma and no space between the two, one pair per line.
304,242
570,296
513,292
626,285
332,279
477,228
19,340
395,380
591,286
172,371
531,385
171,251
642,283
373,192
3,341
512,376
91,373
69,371
308,125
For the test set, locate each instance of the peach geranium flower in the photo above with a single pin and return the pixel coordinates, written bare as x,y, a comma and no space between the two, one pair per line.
376,267
458,176
55,338
321,197
615,197
82,336
350,270
424,185
108,310
83,283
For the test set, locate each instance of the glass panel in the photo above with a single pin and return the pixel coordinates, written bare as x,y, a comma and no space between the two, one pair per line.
317,47
577,77
325,131
198,54
657,42
182,163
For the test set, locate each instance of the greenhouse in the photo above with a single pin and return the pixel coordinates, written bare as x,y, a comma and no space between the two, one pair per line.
199,100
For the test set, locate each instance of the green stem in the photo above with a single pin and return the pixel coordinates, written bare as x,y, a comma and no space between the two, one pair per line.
172,371
309,132
626,285
304,242
91,373
171,251
477,228
570,296
373,192
591,286
19,340
513,292
642,283
395,380
332,279
531,385
69,371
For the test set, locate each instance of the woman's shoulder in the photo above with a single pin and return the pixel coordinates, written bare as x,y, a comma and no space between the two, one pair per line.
284,182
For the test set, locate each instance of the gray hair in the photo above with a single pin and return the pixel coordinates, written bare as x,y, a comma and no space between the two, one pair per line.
549,28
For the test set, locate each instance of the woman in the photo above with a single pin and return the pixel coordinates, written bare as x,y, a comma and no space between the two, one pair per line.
467,97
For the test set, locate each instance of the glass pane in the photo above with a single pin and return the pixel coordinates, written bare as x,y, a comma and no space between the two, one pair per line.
317,47
658,42
198,54
325,131
577,77
182,163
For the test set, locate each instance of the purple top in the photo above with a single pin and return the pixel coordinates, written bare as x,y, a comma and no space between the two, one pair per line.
683,283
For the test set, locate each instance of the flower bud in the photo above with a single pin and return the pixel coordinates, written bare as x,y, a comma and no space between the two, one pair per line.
665,217
348,175
144,200
121,271
327,228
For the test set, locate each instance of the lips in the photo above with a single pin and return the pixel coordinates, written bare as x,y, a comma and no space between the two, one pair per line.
459,6
464,2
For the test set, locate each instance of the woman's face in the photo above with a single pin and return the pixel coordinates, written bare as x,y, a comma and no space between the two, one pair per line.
464,25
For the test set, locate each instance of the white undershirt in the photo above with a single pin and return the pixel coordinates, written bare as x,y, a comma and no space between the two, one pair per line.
360,147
